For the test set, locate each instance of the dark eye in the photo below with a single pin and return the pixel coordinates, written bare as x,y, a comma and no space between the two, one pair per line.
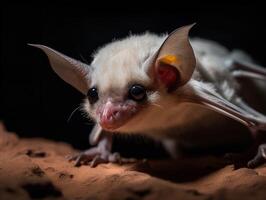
137,92
93,95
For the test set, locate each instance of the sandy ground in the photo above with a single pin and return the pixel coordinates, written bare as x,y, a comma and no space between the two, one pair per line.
38,169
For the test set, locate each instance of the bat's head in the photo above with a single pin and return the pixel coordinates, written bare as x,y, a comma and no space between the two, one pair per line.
129,80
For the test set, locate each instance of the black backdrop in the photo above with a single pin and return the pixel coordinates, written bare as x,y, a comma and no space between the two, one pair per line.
36,103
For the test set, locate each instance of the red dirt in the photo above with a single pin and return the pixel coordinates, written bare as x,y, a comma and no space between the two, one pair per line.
38,169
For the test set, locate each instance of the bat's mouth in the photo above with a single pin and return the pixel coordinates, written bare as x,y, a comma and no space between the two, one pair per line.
114,115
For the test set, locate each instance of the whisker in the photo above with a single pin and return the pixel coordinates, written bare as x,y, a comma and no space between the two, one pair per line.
72,113
83,113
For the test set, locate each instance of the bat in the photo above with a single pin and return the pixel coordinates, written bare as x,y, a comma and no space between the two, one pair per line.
161,86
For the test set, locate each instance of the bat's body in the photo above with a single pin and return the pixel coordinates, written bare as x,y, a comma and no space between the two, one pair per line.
165,87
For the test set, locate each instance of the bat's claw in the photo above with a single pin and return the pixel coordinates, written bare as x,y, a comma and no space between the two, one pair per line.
117,158
244,159
97,160
84,157
93,157
260,157
99,154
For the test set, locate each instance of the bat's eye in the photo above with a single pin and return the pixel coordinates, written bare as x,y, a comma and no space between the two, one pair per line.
137,92
93,95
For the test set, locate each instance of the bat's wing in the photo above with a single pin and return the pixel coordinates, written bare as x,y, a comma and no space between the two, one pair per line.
216,85
198,93
220,68
240,68
240,111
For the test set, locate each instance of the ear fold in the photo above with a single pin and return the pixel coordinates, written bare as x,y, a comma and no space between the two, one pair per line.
70,70
175,61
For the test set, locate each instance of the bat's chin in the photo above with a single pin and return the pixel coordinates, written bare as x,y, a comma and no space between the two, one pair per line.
115,125
110,128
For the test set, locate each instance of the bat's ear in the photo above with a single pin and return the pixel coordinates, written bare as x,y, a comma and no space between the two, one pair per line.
70,70
175,61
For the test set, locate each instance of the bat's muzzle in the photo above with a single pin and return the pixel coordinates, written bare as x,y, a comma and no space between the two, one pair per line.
115,114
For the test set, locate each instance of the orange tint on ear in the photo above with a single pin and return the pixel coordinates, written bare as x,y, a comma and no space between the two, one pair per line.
170,59
175,60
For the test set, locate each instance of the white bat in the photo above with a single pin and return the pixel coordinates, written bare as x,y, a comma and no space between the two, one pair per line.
161,86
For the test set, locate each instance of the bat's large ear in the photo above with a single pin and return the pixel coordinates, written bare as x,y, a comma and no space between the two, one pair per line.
70,70
175,60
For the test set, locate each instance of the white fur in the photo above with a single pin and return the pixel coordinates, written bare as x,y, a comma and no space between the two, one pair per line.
122,62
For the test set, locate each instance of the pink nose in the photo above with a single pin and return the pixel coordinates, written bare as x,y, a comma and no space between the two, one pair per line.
115,114
112,115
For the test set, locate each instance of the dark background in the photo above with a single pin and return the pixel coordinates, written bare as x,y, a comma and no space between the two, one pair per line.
37,103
